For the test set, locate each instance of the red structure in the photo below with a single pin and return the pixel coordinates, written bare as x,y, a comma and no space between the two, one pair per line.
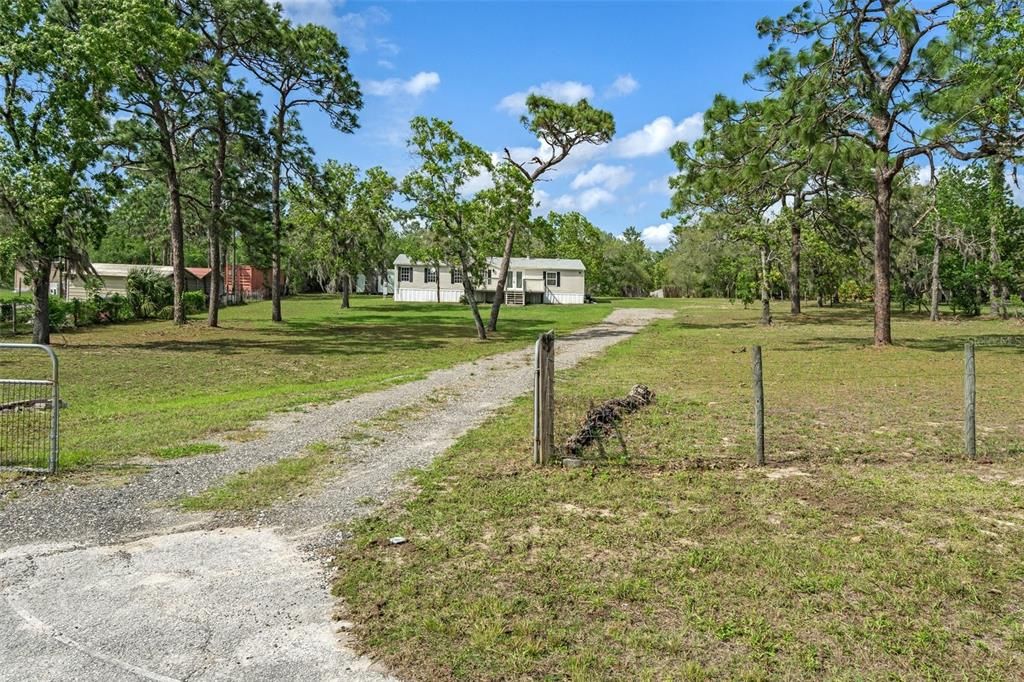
251,281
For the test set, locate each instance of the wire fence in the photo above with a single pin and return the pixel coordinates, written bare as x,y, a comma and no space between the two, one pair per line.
953,403
29,410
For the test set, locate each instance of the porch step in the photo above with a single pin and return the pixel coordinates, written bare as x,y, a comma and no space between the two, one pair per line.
515,297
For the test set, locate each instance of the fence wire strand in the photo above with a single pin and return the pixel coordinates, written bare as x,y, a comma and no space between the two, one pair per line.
28,408
25,422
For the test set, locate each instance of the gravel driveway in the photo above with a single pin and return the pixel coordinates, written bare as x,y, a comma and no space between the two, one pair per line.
102,582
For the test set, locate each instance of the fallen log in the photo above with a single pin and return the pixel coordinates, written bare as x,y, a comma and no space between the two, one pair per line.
601,419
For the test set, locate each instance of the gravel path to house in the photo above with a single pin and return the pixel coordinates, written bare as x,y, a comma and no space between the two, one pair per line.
109,581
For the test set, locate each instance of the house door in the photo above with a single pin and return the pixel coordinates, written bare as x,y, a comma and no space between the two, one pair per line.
516,278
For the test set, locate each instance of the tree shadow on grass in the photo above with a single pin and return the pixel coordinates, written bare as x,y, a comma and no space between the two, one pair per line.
362,337
944,344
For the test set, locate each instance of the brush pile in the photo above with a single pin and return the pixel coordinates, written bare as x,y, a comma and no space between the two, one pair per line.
602,418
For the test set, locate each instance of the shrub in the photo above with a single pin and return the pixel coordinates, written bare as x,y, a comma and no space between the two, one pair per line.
61,314
148,292
194,302
166,313
83,312
113,308
851,291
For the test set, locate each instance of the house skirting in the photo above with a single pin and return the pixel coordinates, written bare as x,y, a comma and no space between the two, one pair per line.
427,295
563,298
410,295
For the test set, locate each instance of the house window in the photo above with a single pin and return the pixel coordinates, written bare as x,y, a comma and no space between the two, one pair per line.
429,274
551,279
404,273
456,276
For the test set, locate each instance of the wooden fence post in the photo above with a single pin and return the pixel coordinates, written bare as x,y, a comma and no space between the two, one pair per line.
969,405
758,405
544,400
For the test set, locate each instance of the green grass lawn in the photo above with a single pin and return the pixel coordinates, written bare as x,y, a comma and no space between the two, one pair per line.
142,387
869,548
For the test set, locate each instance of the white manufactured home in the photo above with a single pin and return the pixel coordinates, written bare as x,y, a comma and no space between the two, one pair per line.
529,280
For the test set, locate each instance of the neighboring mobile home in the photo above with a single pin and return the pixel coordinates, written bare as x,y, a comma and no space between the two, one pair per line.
529,280
114,277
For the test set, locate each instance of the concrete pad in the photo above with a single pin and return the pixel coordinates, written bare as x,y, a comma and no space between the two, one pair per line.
204,605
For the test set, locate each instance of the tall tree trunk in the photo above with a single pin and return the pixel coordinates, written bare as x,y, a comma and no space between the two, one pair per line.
766,304
883,242
41,299
177,245
997,303
177,229
499,287
275,198
470,291
346,284
216,279
933,312
794,257
214,228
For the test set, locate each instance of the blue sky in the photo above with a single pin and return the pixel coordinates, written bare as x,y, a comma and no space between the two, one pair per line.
654,65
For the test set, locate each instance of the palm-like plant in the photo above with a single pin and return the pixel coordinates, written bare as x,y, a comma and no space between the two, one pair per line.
148,292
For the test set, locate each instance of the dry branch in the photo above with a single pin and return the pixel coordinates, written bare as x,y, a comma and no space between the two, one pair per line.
600,419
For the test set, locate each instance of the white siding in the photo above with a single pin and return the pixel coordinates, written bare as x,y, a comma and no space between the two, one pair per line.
562,297
404,293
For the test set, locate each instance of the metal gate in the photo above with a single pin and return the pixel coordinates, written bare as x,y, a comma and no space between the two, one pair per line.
29,414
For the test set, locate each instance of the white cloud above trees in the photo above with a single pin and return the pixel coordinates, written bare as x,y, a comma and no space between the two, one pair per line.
657,136
569,92
623,85
584,201
422,82
657,237
609,177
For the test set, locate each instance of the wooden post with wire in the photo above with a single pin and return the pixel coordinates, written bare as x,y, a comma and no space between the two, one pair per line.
758,405
544,399
970,442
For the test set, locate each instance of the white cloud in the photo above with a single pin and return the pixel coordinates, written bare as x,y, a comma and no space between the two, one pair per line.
660,185
657,236
386,64
312,11
609,177
593,197
481,181
657,136
477,183
569,92
387,46
424,81
584,201
623,85
354,28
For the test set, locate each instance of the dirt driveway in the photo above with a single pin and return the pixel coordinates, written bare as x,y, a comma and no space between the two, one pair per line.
103,582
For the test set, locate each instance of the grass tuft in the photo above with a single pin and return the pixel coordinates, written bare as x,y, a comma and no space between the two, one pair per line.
266,485
187,450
